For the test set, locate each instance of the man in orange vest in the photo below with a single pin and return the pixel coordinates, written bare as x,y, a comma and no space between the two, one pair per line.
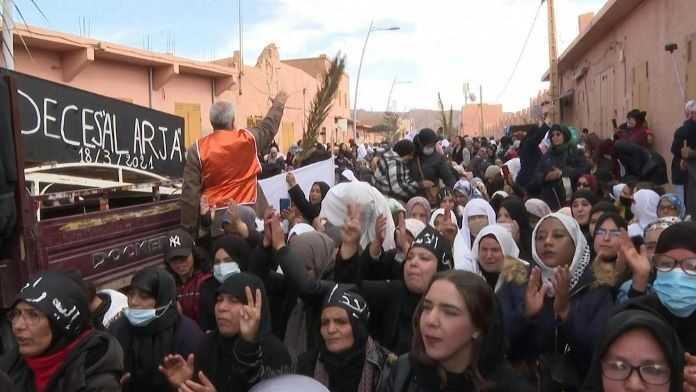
223,166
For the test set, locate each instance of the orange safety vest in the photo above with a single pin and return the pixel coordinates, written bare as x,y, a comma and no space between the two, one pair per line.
229,167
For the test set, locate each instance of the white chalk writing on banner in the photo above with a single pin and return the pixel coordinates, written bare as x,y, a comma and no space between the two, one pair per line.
275,188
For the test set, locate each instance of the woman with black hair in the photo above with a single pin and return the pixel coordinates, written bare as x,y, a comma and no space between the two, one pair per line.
513,215
348,359
632,145
458,342
151,329
308,208
581,205
231,255
638,351
606,244
242,350
56,350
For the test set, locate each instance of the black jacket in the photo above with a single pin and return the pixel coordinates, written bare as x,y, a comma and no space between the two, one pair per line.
95,364
434,168
571,162
686,132
530,155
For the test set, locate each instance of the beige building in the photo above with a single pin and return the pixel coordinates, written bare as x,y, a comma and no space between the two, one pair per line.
618,62
471,121
183,86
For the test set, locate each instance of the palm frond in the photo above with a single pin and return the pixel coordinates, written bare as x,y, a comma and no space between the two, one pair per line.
322,102
443,114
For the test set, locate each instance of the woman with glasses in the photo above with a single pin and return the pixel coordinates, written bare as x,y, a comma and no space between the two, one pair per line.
606,242
56,347
638,351
675,282
588,182
151,329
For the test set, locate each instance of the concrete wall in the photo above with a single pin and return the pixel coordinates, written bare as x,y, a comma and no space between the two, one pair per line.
629,68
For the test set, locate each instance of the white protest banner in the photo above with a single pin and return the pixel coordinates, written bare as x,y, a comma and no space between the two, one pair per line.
275,188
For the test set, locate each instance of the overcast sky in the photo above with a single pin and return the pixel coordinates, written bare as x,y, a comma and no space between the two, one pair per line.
440,45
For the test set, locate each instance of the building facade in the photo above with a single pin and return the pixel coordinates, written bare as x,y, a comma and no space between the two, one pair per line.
183,86
619,62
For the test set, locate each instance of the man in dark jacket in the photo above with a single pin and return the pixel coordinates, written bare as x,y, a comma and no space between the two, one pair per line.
430,164
530,154
684,133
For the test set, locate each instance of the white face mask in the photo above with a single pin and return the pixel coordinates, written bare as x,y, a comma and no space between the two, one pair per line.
429,150
222,271
143,317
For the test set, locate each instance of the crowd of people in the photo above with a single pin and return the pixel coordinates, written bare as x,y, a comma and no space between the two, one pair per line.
550,259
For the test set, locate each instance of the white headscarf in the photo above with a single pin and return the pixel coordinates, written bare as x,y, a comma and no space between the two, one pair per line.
298,229
439,212
616,191
372,204
581,257
514,165
644,207
507,246
462,242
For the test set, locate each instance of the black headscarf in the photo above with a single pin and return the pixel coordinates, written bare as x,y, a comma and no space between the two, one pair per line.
235,246
629,320
323,187
219,362
425,137
677,236
63,301
145,347
345,369
515,207
431,240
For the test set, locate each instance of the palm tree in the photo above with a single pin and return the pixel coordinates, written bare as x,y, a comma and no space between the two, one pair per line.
321,104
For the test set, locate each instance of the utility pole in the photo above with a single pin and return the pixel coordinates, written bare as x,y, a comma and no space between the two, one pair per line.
554,113
481,124
241,49
7,39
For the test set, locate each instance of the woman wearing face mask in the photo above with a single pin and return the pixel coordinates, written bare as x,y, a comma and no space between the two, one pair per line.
478,213
675,282
230,255
309,208
241,351
458,341
581,204
429,164
558,300
513,215
497,258
56,348
418,208
151,329
623,196
644,210
348,359
638,351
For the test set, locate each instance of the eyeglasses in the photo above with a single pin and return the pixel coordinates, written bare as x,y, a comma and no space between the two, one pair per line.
30,316
664,263
653,374
613,233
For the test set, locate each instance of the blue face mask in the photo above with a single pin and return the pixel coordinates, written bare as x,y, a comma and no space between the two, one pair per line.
677,292
143,317
222,271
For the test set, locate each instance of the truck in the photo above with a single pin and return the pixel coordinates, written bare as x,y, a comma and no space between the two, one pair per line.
88,183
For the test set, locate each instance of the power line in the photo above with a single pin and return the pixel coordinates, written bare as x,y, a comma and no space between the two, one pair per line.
519,58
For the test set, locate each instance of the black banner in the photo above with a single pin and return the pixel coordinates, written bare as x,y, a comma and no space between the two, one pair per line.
67,125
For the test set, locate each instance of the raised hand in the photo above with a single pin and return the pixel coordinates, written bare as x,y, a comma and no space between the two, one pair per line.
401,235
282,97
351,231
176,369
290,179
638,262
689,373
535,294
204,206
446,227
277,234
380,235
250,316
561,286
233,212
204,386
267,229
